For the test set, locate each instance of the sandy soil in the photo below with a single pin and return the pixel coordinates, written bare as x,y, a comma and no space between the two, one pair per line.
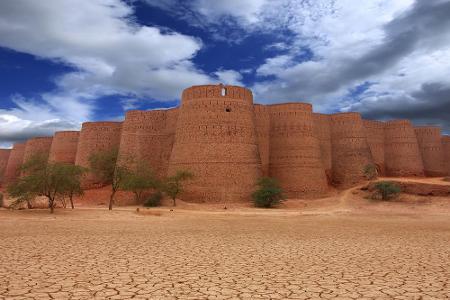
341,247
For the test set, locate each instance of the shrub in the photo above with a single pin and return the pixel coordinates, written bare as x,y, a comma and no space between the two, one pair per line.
370,171
268,194
387,189
154,200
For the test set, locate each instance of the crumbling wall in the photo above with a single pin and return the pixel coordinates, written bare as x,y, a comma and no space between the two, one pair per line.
322,132
147,137
431,150
402,154
215,139
446,146
262,123
295,157
4,156
374,131
96,137
350,150
37,145
64,147
15,161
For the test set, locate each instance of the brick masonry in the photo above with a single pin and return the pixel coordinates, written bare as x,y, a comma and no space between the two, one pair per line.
228,142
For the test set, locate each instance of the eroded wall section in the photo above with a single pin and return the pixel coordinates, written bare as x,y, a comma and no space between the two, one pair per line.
322,131
374,131
432,150
350,150
402,154
262,123
215,140
295,157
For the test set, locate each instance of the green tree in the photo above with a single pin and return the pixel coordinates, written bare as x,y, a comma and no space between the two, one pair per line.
387,189
173,185
104,165
370,171
41,178
140,180
268,194
72,184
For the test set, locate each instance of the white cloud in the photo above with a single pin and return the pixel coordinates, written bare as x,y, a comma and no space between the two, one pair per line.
109,51
229,77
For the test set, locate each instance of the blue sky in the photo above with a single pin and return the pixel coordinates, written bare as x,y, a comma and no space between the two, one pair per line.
69,61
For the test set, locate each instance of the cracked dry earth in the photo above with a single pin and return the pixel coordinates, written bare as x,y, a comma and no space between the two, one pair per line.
96,254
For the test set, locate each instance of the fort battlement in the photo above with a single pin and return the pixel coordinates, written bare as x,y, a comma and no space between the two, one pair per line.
228,142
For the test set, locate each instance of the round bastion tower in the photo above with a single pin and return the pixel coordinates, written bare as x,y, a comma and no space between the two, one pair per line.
215,139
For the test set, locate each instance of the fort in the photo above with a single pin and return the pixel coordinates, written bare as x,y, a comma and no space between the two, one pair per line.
228,142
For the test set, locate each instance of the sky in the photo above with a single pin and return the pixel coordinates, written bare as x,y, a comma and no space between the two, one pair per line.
64,62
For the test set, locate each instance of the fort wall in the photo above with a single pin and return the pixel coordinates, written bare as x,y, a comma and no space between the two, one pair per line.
322,132
4,156
402,155
64,147
96,137
374,131
228,142
37,145
295,157
215,139
262,123
431,150
446,147
15,161
350,150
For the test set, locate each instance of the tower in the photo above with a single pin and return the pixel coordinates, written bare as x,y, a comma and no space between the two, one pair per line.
402,154
295,157
350,151
64,147
215,139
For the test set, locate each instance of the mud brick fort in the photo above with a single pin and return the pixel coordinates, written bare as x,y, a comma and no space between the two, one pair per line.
228,142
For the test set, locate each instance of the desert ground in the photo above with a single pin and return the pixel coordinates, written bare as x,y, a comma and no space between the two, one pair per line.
341,247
